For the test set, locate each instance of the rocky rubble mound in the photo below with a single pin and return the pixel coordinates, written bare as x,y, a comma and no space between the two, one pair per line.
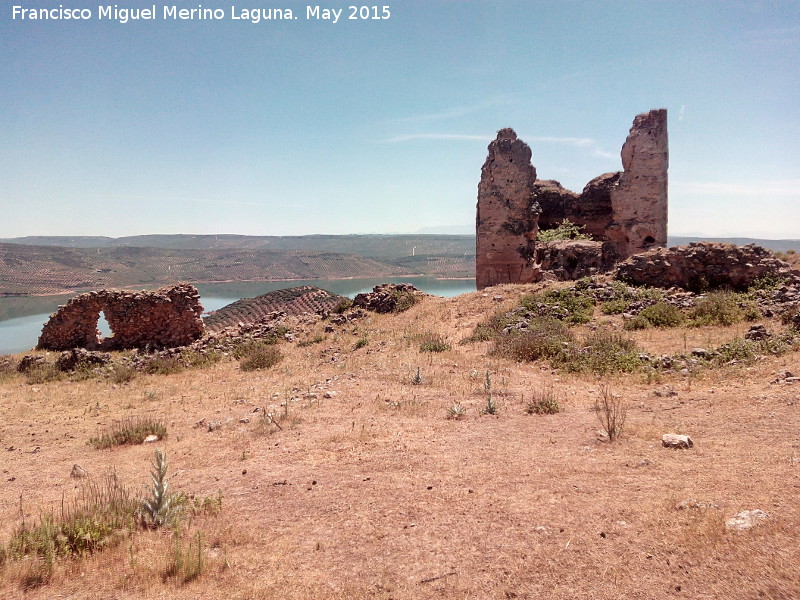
704,265
80,358
389,298
574,259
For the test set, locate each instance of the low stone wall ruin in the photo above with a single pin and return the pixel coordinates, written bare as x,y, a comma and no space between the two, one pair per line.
703,265
164,318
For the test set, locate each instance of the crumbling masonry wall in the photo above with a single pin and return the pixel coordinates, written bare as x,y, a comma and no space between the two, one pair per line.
704,265
639,200
626,211
506,222
166,318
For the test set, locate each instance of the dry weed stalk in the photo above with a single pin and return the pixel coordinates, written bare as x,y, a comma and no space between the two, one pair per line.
612,412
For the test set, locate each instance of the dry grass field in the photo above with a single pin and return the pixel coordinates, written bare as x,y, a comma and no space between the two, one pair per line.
359,485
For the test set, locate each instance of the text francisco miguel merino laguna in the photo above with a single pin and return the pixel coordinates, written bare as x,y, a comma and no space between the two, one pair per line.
172,12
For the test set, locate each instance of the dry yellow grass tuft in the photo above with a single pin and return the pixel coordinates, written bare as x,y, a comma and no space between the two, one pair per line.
368,490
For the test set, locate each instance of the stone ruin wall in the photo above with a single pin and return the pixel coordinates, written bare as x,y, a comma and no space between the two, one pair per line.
166,318
506,221
704,265
626,211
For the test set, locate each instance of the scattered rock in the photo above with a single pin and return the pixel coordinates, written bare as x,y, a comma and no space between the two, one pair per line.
756,333
665,392
674,440
389,298
30,361
746,519
79,358
692,504
78,472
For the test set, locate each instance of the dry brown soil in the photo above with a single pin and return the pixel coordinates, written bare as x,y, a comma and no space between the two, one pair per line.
375,493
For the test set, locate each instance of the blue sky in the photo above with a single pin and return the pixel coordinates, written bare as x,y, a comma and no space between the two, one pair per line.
381,126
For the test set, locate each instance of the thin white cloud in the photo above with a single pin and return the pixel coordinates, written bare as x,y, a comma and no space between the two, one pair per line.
786,188
775,36
681,112
456,111
439,137
577,142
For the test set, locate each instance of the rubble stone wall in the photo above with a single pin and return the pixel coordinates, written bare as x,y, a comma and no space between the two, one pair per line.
165,318
703,265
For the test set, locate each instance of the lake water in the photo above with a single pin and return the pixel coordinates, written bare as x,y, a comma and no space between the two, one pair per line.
22,318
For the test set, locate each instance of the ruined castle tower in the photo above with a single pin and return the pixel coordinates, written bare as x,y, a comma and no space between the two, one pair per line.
639,200
624,212
507,218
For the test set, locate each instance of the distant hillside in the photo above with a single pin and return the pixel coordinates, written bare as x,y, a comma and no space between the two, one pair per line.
372,246
293,301
66,264
28,269
774,245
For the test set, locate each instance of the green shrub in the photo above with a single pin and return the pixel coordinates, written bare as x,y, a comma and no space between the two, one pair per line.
570,305
663,314
8,367
258,355
200,359
361,342
614,307
121,373
738,350
188,561
43,373
133,430
490,408
769,282
99,518
319,338
566,230
746,351
159,510
342,306
197,505
604,352
545,338
622,291
636,323
433,343
544,402
456,411
163,365
723,308
490,328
